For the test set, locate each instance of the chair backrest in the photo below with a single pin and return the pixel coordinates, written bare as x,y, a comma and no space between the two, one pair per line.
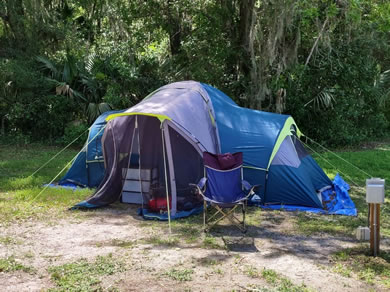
224,177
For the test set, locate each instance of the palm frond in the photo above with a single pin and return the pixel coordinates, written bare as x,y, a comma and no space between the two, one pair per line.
46,64
382,86
104,107
90,62
92,111
322,100
383,80
96,109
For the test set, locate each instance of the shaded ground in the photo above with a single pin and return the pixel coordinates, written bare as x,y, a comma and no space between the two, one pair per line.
185,261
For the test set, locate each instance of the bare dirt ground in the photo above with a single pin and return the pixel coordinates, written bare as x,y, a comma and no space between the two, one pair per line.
231,267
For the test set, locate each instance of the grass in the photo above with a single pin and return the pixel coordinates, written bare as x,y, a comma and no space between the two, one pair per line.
19,190
180,275
278,282
161,241
9,264
357,262
269,275
375,162
83,275
251,271
210,242
7,240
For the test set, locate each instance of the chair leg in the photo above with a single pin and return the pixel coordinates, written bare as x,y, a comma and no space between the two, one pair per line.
204,215
229,215
243,215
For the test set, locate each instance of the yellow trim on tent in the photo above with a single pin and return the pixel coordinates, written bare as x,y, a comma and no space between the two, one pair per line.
286,131
212,118
160,117
252,167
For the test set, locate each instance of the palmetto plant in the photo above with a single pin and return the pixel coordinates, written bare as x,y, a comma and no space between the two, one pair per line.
382,86
79,80
324,99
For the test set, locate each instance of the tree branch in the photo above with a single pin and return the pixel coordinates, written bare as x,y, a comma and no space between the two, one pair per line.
316,42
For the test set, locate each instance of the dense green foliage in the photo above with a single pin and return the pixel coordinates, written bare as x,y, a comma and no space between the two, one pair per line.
326,62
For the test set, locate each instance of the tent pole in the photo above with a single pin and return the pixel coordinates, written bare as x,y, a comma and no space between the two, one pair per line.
139,159
265,185
171,169
166,177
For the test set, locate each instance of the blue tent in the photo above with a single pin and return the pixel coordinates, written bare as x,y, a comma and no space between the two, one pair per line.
195,117
88,168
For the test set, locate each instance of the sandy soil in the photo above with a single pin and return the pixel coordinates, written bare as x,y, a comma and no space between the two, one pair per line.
299,258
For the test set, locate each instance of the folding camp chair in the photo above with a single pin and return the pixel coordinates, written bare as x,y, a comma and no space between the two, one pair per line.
224,189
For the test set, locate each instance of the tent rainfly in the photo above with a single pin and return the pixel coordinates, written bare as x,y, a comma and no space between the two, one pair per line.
87,170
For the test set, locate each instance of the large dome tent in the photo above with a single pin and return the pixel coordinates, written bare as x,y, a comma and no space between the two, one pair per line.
170,129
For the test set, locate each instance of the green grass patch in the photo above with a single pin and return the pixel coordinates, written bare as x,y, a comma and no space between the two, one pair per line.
269,275
17,163
161,241
19,191
9,264
84,275
180,275
7,240
278,282
251,271
358,262
374,162
210,242
189,229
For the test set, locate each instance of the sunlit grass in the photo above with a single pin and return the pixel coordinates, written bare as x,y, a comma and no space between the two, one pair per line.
374,162
84,275
357,262
21,195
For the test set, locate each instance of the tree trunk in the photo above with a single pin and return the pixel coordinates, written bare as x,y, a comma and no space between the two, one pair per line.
3,125
244,35
15,17
174,29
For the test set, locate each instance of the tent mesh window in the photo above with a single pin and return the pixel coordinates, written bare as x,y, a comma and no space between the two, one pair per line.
188,168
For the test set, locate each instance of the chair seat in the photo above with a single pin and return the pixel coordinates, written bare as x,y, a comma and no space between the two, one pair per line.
226,205
233,199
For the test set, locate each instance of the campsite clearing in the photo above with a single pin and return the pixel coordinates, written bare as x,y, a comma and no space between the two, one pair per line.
45,246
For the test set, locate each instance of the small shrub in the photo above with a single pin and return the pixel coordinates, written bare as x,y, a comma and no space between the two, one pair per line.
74,130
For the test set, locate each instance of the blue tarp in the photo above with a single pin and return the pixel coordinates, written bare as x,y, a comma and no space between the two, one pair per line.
164,216
64,186
339,201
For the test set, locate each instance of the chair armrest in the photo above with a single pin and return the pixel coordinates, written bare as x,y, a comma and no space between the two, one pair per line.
247,186
202,182
201,185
